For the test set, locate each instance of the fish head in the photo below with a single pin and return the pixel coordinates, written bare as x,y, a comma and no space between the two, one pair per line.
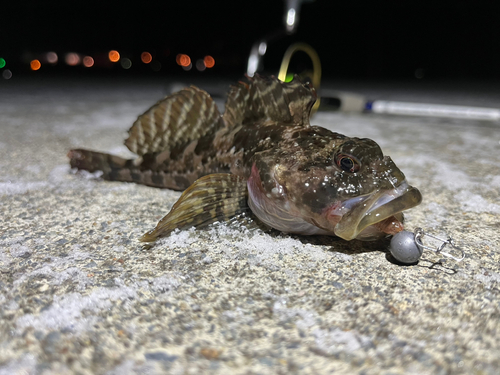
337,186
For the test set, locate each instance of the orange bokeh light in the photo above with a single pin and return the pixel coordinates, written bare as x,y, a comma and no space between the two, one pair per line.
35,65
183,60
88,61
146,57
209,61
114,56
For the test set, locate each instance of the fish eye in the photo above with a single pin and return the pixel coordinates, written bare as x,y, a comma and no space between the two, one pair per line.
347,163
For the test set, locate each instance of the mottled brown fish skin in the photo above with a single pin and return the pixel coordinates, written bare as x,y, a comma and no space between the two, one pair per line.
298,167
300,178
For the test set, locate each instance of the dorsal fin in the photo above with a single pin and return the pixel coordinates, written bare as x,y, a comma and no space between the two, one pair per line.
184,116
269,99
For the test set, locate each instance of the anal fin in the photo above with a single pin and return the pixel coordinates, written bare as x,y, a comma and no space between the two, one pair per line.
212,198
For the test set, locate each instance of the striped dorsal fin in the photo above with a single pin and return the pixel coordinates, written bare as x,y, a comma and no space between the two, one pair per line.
174,121
269,99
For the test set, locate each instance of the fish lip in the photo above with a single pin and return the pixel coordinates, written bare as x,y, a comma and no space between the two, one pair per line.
375,208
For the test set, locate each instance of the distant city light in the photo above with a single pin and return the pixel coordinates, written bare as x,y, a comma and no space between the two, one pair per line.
146,57
48,58
200,65
209,61
183,60
72,59
114,56
35,64
51,57
88,62
2,62
126,63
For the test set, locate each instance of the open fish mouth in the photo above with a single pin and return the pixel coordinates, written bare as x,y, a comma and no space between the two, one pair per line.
376,208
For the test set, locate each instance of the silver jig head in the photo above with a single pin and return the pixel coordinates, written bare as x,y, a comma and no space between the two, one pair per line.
407,247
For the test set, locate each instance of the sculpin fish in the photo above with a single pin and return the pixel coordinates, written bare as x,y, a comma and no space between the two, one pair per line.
262,154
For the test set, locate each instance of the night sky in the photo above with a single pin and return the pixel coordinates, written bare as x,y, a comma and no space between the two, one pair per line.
394,40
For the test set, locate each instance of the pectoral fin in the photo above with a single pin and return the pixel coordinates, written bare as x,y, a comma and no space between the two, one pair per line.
212,198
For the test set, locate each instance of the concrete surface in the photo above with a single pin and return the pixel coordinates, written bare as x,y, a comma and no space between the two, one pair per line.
78,293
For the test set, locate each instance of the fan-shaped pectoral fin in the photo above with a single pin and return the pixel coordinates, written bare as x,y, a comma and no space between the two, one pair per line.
212,198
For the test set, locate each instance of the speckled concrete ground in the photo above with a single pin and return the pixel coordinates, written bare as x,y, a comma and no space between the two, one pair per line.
78,293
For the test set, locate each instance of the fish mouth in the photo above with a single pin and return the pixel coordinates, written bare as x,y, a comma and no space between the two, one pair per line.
376,208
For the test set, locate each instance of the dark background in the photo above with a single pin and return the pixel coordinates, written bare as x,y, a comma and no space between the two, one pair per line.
389,40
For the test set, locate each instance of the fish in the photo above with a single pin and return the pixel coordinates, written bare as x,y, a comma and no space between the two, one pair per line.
261,155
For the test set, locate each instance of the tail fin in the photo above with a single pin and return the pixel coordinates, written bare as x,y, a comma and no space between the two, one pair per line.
115,168
93,161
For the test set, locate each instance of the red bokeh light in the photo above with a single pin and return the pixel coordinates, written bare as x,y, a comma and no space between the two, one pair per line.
88,61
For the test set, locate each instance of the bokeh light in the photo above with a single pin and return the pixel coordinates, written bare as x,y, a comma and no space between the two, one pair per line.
72,59
2,62
183,60
209,61
51,57
200,65
146,57
88,61
35,65
126,63
186,68
114,56
7,74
